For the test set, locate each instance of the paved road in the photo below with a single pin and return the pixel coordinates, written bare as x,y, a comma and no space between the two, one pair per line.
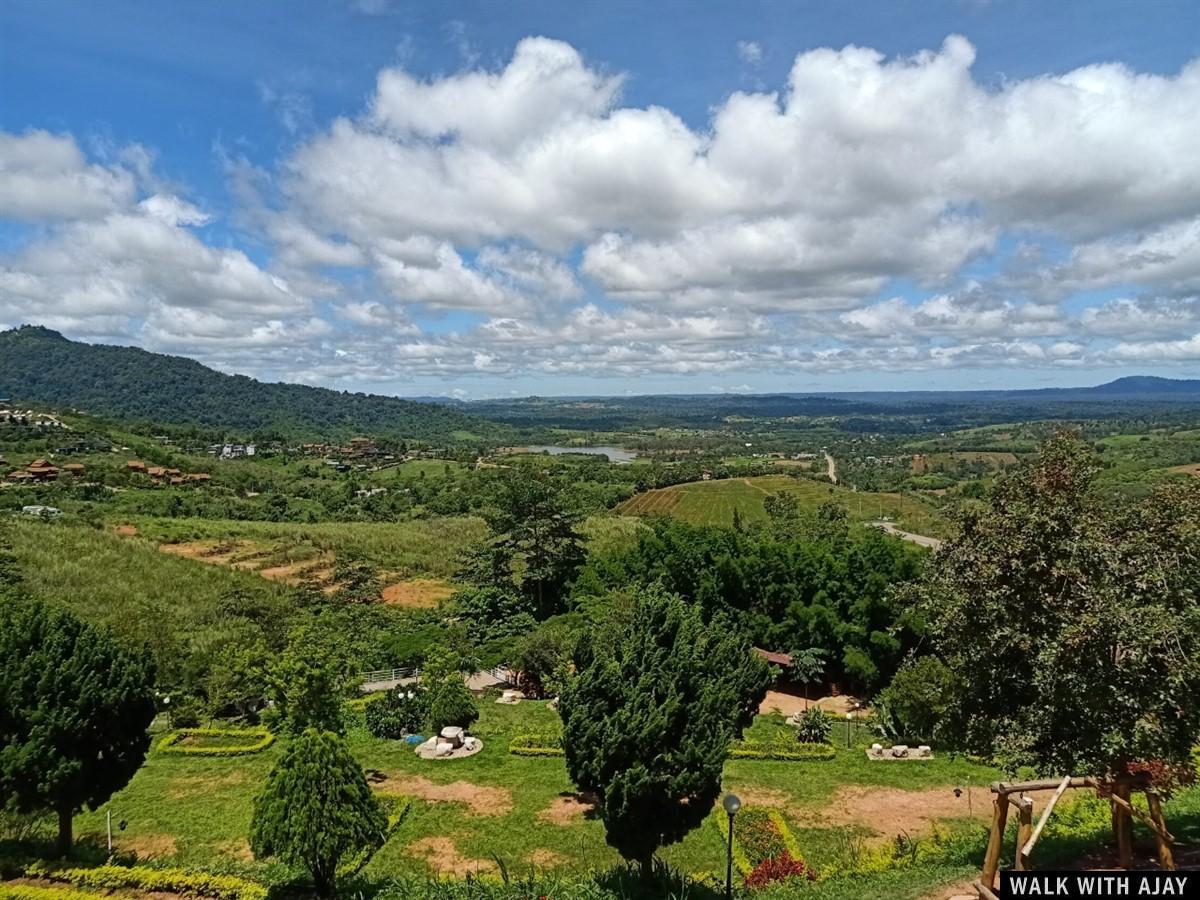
923,539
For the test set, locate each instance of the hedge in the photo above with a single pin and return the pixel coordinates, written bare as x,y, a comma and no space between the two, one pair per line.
144,878
36,892
172,743
536,745
782,751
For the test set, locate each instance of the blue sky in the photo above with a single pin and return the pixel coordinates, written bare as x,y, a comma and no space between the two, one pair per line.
610,197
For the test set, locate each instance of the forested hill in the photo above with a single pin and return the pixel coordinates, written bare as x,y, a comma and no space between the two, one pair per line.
40,366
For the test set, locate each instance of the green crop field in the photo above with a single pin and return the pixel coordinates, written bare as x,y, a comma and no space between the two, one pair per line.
714,502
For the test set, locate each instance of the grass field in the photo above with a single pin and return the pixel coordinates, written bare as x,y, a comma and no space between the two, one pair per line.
714,502
132,587
196,811
419,547
466,814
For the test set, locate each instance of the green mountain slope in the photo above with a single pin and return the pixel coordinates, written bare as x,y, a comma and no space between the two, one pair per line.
40,366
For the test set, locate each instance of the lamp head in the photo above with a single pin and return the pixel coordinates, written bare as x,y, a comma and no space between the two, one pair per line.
731,803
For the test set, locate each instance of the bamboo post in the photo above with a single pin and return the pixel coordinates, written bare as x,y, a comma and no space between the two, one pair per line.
1027,848
991,859
1024,830
1165,858
1123,823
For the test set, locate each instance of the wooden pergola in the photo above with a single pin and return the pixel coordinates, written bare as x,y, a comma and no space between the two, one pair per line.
1117,790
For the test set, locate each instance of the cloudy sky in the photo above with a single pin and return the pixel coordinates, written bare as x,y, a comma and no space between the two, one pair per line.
607,197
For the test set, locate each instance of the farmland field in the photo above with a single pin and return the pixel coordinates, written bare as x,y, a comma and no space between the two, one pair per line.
714,502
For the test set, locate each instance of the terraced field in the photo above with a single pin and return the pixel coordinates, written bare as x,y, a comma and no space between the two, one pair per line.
714,502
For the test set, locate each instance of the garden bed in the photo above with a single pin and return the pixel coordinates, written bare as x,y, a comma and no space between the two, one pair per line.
216,741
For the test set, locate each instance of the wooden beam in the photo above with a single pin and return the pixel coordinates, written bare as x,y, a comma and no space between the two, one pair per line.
1165,858
1027,849
991,859
984,892
1123,824
1024,830
1127,806
1044,784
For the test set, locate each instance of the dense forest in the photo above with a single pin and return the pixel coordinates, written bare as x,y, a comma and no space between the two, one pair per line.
40,366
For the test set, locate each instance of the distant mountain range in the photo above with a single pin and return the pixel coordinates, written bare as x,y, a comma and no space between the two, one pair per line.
40,366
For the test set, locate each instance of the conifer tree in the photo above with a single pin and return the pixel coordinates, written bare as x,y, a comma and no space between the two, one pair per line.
649,718
75,707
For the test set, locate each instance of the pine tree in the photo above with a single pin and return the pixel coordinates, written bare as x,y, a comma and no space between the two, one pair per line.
317,809
74,711
649,718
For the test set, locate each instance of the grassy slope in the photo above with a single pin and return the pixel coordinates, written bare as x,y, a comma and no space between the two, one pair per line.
130,585
419,547
713,502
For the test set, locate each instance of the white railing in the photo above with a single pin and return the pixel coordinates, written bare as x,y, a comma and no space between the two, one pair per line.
380,675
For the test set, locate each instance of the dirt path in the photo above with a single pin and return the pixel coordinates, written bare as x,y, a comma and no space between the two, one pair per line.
830,467
923,539
443,856
761,490
482,800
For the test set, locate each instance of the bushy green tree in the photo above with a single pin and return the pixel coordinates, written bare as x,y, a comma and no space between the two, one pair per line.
649,718
493,612
317,809
451,703
917,700
543,657
74,709
396,713
1071,629
307,686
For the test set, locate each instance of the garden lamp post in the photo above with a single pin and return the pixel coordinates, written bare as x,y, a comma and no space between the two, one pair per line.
732,804
849,723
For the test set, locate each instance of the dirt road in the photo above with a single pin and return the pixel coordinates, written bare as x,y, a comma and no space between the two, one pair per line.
923,539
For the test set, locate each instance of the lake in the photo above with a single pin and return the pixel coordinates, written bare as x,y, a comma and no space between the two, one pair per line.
615,454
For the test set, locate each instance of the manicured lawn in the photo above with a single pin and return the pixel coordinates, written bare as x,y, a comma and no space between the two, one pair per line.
196,811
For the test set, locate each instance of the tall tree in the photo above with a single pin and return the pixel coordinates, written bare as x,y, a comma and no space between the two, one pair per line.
649,718
307,683
74,709
1071,630
534,521
317,809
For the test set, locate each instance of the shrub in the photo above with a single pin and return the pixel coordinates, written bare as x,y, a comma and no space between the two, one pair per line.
397,713
451,703
778,868
536,745
36,892
143,878
257,740
813,727
782,751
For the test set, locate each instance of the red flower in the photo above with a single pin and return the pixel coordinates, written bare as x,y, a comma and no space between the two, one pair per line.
777,868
